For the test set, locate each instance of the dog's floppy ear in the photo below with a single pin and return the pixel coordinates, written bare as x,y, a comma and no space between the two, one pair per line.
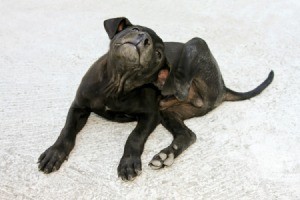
115,25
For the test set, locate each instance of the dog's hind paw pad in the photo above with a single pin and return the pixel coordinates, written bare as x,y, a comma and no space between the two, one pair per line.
170,159
162,159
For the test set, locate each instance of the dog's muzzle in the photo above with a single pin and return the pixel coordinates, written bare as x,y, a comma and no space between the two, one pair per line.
131,48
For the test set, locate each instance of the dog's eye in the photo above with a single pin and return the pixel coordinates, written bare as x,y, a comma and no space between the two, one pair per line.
158,54
135,29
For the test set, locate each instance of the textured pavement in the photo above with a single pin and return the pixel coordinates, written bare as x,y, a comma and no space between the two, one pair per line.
245,150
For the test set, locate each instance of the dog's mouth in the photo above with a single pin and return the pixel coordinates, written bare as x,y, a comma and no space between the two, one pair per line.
133,48
129,45
137,44
128,53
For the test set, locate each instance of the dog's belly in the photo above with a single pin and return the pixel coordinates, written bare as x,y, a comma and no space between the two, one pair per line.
187,110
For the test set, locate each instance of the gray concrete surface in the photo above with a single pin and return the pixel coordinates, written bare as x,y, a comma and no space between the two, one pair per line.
245,150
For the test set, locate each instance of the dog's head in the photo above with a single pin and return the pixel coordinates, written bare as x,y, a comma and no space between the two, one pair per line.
136,53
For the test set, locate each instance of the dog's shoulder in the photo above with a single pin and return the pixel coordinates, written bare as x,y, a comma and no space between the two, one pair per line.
97,71
91,83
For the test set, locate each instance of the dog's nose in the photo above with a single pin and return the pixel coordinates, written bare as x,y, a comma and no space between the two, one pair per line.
146,42
144,39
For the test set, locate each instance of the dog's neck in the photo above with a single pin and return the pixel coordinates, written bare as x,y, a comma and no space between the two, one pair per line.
116,80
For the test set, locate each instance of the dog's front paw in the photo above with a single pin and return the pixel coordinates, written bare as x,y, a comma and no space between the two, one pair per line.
52,159
129,168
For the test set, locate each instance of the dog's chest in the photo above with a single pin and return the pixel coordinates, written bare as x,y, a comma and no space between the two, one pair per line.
116,105
97,104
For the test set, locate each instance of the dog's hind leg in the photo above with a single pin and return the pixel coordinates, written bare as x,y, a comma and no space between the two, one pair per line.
183,138
195,57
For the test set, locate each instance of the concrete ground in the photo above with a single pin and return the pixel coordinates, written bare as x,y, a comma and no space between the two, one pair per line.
245,150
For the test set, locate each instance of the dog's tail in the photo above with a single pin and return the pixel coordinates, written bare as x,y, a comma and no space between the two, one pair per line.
238,96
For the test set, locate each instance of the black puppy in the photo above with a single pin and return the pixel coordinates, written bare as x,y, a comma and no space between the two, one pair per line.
118,87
